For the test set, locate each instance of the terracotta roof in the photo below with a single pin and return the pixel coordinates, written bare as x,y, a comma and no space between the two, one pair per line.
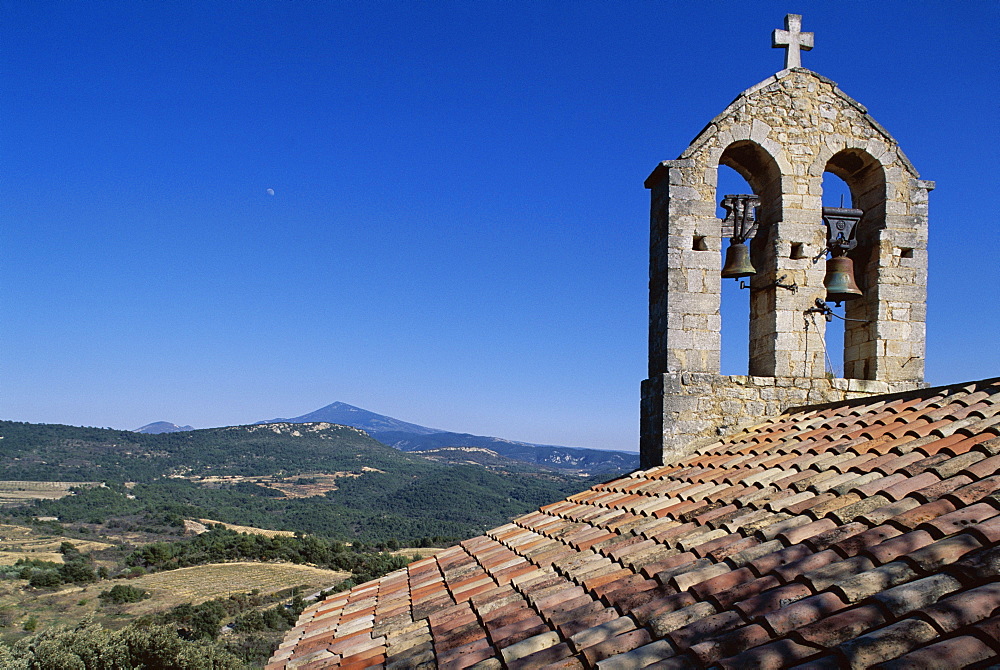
855,535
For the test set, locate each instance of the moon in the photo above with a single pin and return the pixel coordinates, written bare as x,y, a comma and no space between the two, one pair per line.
270,191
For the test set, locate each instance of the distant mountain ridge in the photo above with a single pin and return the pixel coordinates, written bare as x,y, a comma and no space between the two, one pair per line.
158,427
413,437
349,415
408,437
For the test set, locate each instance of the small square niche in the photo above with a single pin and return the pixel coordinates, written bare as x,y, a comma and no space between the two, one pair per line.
798,251
699,243
906,252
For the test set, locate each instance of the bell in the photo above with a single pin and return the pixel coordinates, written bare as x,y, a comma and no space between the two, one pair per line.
737,262
839,280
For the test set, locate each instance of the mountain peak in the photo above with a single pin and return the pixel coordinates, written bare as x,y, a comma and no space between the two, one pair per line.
349,415
162,427
412,437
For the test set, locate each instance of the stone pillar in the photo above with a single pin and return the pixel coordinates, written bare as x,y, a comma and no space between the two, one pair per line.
886,340
684,281
780,343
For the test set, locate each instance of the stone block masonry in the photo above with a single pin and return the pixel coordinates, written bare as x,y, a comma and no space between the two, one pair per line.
681,409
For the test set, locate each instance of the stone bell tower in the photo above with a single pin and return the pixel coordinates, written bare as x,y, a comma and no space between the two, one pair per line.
781,135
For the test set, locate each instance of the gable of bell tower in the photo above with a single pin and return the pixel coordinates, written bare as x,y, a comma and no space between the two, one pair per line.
782,135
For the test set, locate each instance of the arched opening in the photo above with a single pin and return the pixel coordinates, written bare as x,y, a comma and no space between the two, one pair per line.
761,173
836,193
735,302
864,176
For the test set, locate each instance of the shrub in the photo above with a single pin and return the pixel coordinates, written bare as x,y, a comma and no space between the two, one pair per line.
45,579
7,616
77,570
123,593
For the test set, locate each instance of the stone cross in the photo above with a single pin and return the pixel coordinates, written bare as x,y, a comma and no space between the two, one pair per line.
792,39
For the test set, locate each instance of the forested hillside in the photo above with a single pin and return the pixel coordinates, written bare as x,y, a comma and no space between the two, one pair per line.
57,452
323,479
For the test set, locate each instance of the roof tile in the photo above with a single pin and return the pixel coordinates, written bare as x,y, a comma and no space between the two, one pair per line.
806,531
729,644
808,563
886,643
685,580
956,521
597,615
882,514
840,627
619,644
780,654
962,609
802,612
668,563
853,538
601,632
962,651
974,491
864,505
837,571
941,553
859,586
542,657
530,646
777,558
666,622
704,629
640,657
658,607
894,547
922,514
903,599
771,600
989,629
827,506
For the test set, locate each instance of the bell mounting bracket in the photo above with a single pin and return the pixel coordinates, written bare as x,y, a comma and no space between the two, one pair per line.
741,216
793,287
841,224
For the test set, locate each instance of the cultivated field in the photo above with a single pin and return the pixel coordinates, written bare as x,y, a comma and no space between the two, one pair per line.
305,485
23,542
69,605
199,526
20,492
204,582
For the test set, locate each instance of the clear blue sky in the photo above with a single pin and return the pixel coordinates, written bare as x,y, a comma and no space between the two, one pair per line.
458,231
